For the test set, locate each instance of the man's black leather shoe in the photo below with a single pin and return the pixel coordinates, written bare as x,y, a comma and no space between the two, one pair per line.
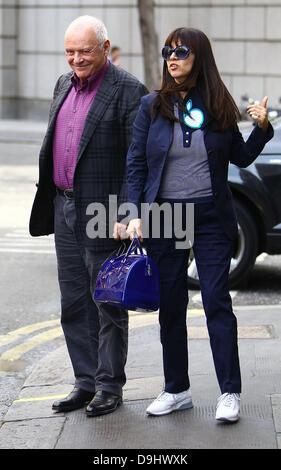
103,403
76,399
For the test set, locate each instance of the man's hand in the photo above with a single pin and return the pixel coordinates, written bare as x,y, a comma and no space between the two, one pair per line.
135,226
119,231
259,113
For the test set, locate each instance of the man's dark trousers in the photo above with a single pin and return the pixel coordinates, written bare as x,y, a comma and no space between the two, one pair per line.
96,338
213,251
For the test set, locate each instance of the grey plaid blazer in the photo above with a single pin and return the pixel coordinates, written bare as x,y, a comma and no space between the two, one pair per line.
101,160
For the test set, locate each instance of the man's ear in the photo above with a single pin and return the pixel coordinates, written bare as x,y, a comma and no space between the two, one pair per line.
106,47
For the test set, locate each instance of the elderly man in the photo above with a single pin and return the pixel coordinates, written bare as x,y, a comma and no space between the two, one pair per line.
82,161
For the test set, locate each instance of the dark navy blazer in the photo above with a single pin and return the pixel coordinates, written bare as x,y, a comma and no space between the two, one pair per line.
148,151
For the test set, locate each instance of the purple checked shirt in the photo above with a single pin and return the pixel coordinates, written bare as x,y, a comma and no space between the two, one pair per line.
69,127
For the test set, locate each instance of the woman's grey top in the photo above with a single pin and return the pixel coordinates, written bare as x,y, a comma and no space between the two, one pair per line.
186,173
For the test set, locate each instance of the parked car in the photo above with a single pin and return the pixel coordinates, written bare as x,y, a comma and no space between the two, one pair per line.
257,195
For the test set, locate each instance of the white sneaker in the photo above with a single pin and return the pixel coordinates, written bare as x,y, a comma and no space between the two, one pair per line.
167,402
228,407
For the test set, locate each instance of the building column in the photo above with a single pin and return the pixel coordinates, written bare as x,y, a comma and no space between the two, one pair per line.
8,63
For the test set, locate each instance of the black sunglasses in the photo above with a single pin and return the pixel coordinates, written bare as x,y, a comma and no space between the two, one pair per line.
181,52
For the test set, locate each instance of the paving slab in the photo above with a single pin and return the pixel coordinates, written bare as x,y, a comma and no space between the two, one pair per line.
41,433
36,402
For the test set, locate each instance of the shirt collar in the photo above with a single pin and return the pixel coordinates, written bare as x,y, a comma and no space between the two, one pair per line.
91,82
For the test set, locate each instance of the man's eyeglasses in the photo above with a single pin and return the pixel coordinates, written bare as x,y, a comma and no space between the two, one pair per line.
181,52
83,52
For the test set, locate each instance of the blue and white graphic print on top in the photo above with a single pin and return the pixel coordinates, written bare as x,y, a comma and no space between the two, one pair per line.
195,118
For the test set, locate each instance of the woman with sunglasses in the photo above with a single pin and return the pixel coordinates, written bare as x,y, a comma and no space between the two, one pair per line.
184,137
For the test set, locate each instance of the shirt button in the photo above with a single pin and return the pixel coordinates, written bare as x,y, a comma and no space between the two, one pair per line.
186,141
187,133
74,110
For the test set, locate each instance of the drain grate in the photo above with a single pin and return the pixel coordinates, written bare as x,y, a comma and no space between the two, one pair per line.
130,428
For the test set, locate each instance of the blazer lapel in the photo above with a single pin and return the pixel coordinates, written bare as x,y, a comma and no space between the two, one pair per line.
57,103
102,100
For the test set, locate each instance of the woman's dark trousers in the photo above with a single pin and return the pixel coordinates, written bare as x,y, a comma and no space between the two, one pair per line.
213,251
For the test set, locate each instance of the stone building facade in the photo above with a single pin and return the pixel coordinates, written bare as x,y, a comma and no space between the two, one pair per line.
245,36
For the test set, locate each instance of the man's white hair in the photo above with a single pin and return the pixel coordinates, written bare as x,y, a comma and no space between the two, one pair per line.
87,21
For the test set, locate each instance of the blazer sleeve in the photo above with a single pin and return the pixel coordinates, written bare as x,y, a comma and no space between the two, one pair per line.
132,110
136,159
244,153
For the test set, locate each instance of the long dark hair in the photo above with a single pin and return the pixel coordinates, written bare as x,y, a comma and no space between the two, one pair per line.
204,75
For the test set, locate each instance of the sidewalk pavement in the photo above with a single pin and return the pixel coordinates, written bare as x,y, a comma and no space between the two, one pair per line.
16,130
30,422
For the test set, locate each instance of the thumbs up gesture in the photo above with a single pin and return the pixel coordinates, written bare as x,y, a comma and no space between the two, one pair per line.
259,113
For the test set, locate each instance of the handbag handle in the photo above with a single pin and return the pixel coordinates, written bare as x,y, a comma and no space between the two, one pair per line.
134,245
121,250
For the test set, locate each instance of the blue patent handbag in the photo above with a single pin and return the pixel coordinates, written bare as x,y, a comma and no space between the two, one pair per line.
130,281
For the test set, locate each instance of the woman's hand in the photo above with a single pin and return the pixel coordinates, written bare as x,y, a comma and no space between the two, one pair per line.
135,226
259,113
119,231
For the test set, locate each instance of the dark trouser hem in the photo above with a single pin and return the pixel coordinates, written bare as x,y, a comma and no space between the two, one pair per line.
86,387
108,389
